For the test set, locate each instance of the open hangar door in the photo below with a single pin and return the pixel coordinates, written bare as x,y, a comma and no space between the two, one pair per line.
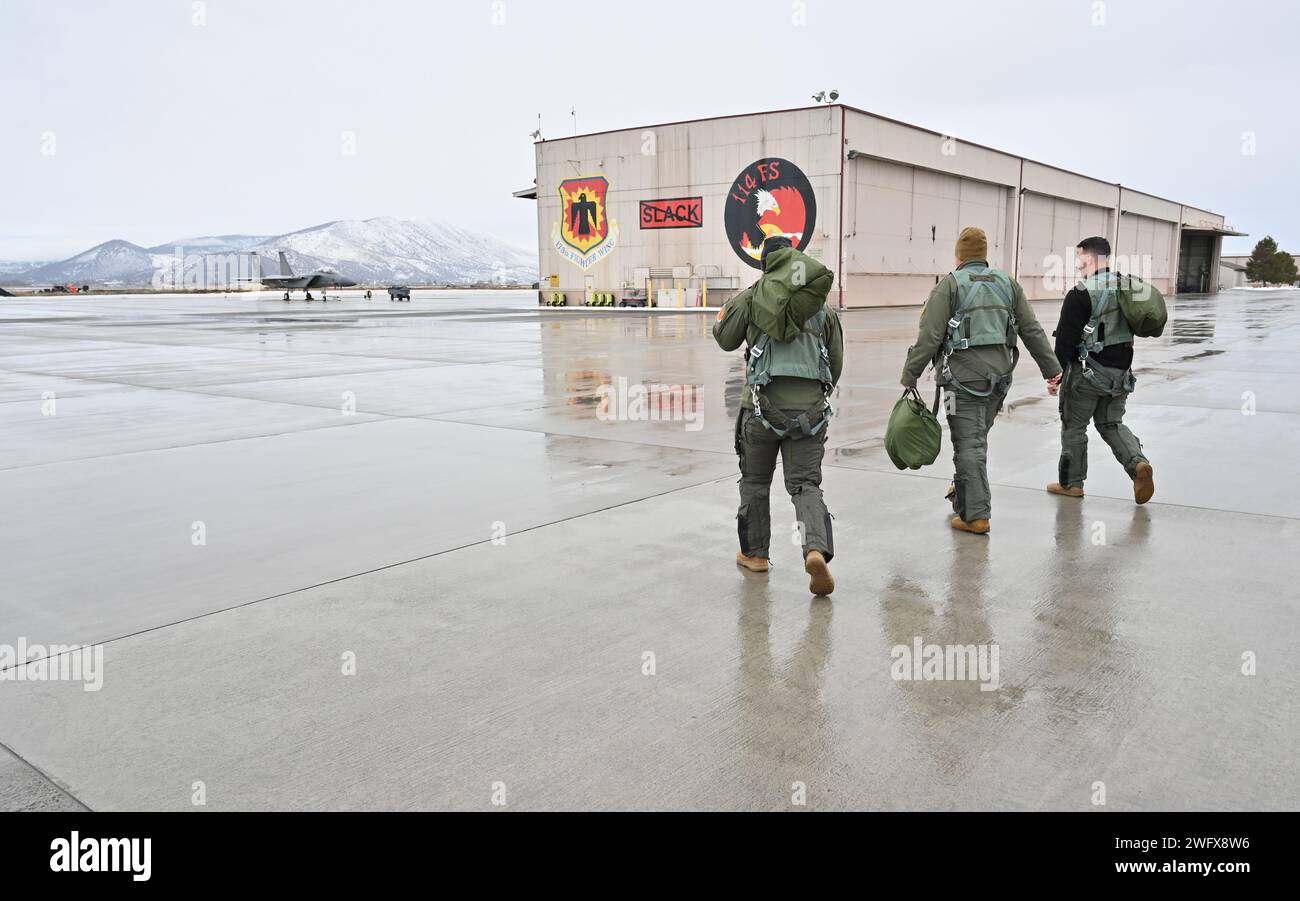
1197,252
1050,229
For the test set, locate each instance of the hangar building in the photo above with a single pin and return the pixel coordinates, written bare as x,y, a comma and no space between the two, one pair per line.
676,211
1232,270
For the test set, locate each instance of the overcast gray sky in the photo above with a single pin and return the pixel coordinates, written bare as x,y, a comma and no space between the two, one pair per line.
128,120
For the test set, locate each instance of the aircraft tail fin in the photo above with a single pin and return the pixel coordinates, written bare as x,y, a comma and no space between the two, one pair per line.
285,268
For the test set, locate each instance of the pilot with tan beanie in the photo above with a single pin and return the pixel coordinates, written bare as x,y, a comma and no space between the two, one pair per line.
969,327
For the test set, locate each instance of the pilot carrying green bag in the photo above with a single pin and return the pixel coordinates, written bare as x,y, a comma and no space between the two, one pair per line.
792,290
913,437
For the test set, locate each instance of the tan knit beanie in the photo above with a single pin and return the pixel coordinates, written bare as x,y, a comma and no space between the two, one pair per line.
972,244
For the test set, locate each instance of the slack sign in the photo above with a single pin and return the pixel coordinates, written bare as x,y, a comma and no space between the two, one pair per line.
676,212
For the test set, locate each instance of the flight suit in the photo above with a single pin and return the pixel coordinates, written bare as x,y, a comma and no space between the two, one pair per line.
1084,400
758,446
1101,398
979,369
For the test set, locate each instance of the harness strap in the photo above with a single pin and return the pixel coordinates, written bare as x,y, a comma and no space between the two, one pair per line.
952,380
993,377
804,421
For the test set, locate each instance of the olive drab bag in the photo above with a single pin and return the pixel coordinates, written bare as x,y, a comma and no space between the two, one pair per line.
790,292
1143,306
913,437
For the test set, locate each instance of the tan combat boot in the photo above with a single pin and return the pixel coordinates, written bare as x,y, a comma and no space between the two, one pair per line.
978,526
821,582
1144,485
1066,490
753,564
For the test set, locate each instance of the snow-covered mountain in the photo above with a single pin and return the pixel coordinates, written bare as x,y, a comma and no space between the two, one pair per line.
9,267
402,250
211,243
382,250
113,262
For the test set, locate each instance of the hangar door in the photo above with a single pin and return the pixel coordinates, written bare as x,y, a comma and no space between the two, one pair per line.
1050,229
1146,246
1194,257
905,220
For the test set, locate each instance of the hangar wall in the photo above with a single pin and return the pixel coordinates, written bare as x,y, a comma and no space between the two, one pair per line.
901,223
906,193
688,173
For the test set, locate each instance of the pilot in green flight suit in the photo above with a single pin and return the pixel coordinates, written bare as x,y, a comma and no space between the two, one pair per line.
969,327
785,411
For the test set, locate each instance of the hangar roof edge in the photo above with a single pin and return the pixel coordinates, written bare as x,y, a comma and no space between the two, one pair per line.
863,112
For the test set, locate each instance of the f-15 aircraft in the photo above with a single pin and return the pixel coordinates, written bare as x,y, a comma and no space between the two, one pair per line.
321,278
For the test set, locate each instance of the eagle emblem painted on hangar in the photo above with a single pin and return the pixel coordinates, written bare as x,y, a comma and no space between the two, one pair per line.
770,197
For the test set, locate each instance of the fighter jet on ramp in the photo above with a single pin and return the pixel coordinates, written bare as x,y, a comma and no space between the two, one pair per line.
321,278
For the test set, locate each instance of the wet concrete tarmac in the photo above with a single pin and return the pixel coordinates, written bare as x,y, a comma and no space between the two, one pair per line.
240,498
